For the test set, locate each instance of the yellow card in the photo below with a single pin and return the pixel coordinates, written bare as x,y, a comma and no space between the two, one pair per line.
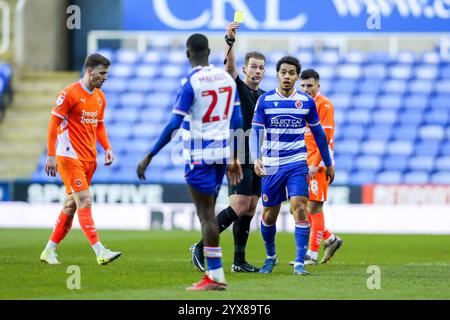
239,16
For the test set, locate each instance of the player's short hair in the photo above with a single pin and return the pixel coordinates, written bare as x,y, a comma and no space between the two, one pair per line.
293,61
198,43
95,60
254,54
310,73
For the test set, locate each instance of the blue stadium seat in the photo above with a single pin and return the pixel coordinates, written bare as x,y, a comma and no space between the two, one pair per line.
400,147
411,117
388,177
149,71
373,147
133,100
177,57
383,116
121,131
370,163
115,85
345,86
400,72
416,177
431,57
112,101
140,146
375,71
445,72
370,86
407,131
445,149
328,57
341,101
394,87
443,87
436,117
381,57
341,178
395,163
440,177
146,131
339,116
162,161
152,57
159,100
357,57
443,163
424,163
353,131
140,85
344,162
121,71
174,71
173,175
125,115
127,56
424,87
364,101
440,102
349,71
167,85
416,101
390,101
426,72
406,57
380,132
427,148
362,177
349,146
356,116
431,132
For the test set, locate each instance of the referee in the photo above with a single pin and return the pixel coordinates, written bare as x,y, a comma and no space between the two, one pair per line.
244,196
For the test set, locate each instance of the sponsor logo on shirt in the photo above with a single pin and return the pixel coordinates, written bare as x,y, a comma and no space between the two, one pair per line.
285,121
89,117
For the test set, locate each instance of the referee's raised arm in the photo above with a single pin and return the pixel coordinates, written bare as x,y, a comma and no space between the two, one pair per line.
230,58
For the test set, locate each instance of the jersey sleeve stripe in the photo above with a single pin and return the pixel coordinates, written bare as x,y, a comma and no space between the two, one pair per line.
259,124
58,115
314,124
327,127
180,112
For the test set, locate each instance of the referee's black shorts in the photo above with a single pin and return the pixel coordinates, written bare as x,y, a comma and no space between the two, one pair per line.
250,184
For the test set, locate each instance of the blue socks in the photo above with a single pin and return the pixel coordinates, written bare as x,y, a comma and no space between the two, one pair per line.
301,240
268,235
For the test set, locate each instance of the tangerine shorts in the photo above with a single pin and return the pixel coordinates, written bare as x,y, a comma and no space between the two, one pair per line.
75,174
318,186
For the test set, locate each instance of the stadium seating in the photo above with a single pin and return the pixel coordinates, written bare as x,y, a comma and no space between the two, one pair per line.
392,113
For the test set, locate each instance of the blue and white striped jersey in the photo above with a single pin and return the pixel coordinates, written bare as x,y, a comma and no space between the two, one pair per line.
284,120
206,99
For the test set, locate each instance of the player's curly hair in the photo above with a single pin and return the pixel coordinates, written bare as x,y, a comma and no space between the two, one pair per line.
293,61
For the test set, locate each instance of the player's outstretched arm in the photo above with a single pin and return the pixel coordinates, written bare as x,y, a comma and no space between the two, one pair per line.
230,65
322,143
50,164
164,139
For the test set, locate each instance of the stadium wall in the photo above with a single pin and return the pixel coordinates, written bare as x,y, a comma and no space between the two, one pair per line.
353,218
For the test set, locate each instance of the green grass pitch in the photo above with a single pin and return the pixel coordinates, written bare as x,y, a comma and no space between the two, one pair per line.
156,265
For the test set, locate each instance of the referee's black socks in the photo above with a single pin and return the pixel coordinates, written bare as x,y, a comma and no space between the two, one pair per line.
224,219
241,229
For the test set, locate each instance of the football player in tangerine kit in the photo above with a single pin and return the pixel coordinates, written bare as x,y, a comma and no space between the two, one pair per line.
77,122
318,186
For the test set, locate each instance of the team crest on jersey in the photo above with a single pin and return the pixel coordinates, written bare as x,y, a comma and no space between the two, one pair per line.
265,197
100,101
60,100
78,182
298,104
